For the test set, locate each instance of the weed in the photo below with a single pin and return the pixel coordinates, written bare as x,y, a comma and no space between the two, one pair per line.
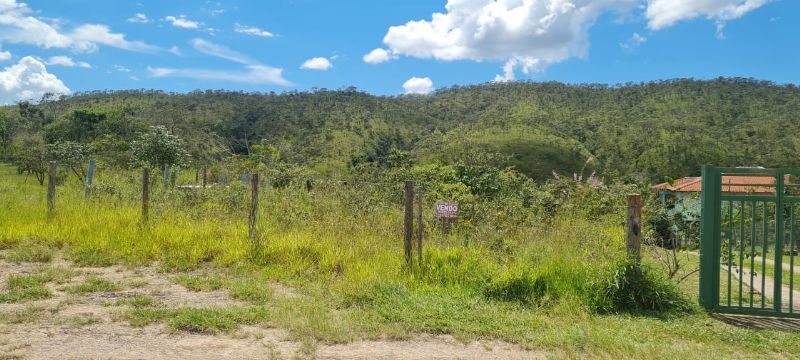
198,320
137,301
30,252
249,290
91,285
83,320
25,287
198,283
27,315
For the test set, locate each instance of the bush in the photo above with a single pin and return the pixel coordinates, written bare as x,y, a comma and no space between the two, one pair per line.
635,288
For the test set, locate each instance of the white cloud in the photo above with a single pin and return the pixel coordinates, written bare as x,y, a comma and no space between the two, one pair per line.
633,42
220,51
378,56
254,74
317,63
420,86
67,61
139,18
251,30
5,55
182,22
88,36
529,34
28,80
664,13
121,68
175,51
508,72
19,26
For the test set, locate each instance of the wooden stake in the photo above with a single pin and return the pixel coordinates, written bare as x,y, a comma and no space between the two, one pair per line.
145,193
173,177
633,243
51,188
419,227
409,219
166,177
254,210
205,176
89,177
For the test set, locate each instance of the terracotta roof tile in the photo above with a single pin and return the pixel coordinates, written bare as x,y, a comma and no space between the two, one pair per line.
730,184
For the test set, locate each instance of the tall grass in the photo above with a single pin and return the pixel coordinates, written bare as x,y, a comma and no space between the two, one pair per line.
343,244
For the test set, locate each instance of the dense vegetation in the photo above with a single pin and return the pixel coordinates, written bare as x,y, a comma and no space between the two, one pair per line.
633,132
540,171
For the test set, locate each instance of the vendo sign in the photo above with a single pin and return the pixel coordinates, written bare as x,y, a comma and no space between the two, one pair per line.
446,210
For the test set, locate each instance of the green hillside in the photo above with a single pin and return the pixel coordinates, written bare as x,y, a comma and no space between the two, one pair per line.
633,132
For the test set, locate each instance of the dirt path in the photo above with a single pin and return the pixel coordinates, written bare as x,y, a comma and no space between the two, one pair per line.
70,326
785,266
768,289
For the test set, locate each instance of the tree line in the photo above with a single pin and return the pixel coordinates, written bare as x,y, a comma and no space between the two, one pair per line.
633,133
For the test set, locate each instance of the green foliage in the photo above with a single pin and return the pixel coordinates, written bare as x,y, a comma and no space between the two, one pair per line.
158,147
640,289
635,132
29,154
69,154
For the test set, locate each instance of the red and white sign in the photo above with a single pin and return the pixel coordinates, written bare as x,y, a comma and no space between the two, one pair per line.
446,210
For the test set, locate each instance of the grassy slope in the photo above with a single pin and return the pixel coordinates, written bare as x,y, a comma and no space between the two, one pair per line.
346,268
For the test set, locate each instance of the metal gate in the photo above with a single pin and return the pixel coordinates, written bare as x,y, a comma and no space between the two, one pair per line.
749,241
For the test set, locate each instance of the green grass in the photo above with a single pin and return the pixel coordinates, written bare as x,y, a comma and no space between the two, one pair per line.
557,284
31,252
137,301
27,315
22,288
198,320
198,283
83,320
92,284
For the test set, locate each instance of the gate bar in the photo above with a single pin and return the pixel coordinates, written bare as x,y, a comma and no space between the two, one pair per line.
778,266
709,244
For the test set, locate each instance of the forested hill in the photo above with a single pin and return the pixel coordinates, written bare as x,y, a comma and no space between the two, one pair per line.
634,132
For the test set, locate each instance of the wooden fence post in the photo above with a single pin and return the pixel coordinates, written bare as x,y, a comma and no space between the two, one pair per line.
419,226
173,178
145,193
254,213
51,188
409,219
205,176
633,243
166,177
89,177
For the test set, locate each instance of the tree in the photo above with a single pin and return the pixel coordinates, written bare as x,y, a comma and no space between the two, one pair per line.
70,154
5,132
29,155
158,147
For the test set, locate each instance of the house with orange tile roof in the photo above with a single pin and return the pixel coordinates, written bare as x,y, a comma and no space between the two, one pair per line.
684,187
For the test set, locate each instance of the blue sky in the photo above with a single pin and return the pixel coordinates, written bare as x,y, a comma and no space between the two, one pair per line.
414,46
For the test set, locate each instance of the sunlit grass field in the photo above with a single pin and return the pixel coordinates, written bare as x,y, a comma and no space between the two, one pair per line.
559,285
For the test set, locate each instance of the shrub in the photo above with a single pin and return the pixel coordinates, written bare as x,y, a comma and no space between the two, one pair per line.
635,288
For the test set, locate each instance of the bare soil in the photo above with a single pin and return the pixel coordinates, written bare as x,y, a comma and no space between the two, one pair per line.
70,326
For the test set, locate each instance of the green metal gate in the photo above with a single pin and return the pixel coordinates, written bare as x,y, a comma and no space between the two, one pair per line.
749,241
